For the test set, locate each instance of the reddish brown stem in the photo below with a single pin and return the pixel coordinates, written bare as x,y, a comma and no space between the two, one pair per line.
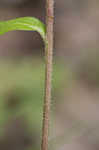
48,72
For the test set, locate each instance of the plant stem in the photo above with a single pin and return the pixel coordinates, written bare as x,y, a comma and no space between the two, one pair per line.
48,72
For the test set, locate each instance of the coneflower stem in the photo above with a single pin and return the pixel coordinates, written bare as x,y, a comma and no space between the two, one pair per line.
48,72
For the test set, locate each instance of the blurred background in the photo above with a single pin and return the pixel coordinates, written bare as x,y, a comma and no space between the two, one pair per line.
75,93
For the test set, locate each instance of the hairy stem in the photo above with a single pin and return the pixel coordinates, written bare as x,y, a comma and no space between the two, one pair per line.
48,72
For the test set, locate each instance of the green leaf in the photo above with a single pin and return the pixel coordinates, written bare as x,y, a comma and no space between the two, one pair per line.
24,23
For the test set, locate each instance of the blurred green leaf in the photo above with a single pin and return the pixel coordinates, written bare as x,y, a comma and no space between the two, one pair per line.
26,80
24,23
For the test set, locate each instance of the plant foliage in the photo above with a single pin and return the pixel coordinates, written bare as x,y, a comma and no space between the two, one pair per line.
24,23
